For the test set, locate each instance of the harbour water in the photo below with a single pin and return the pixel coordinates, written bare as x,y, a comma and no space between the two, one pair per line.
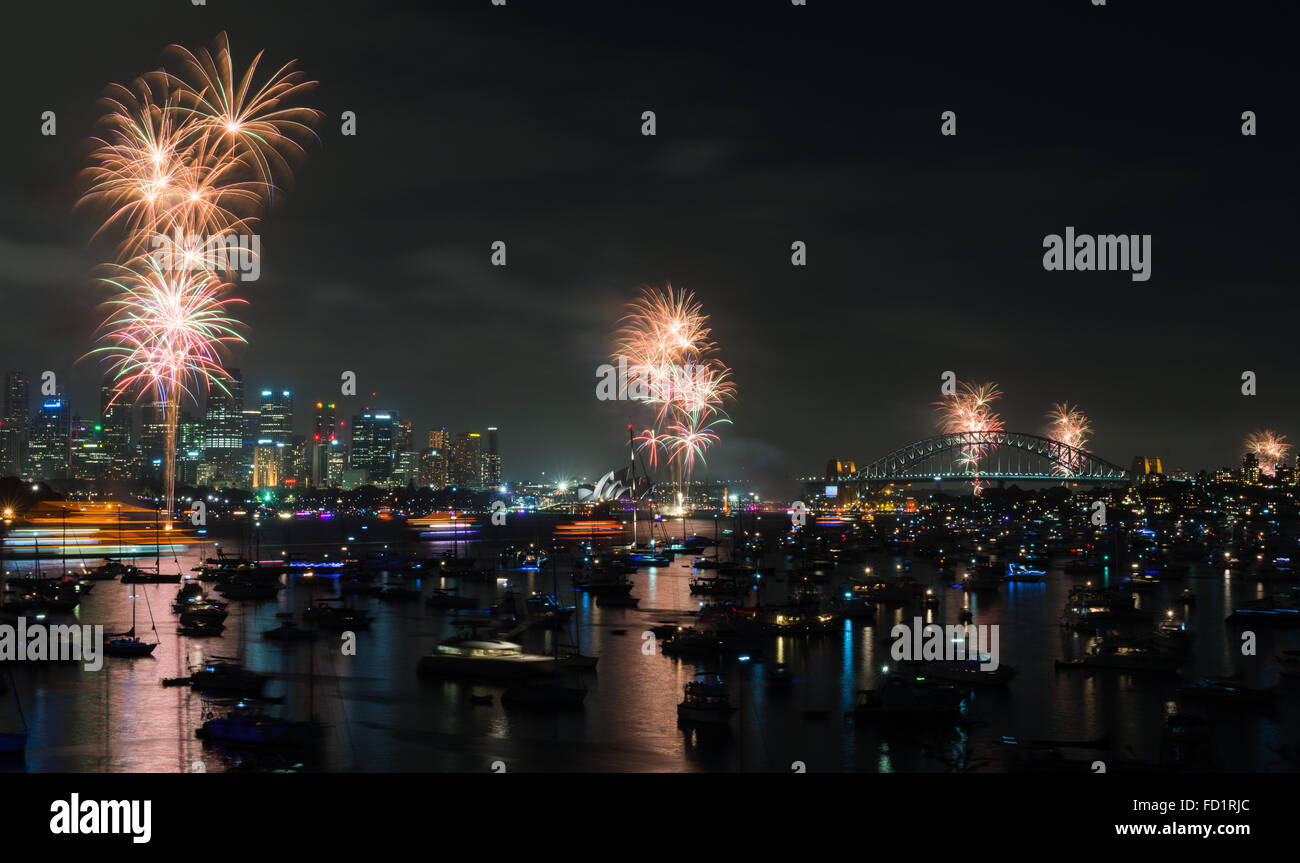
382,716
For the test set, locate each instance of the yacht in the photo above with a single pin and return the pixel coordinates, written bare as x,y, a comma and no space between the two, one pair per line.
910,698
965,671
1128,654
223,675
706,701
440,598
469,656
253,727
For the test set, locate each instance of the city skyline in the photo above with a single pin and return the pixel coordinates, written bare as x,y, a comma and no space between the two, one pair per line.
956,258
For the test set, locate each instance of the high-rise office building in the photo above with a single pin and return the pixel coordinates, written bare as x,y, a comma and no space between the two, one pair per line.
435,462
326,448
90,461
223,423
49,443
466,460
273,437
190,437
275,418
153,439
374,435
116,422
15,424
405,460
491,468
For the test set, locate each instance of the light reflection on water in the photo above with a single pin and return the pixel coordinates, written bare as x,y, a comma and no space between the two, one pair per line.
383,717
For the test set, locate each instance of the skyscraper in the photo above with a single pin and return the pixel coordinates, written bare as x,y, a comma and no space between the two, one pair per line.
491,471
90,461
325,448
15,424
374,435
435,461
274,437
405,460
466,461
49,444
275,419
224,431
115,419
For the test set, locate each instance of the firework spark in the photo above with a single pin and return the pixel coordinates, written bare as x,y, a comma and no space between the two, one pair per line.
663,341
1270,448
970,410
185,157
1069,426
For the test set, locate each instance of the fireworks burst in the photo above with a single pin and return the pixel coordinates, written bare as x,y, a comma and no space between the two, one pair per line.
664,343
1270,448
191,154
970,409
1069,426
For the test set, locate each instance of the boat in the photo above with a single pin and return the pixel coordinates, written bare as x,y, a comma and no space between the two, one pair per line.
289,631
207,611
1019,572
336,618
1090,608
228,675
602,581
1173,632
125,644
252,588
141,576
469,656
1269,611
970,672
108,570
715,586
157,576
1111,651
689,641
1228,691
985,576
538,606
253,727
190,591
706,701
910,698
445,599
398,593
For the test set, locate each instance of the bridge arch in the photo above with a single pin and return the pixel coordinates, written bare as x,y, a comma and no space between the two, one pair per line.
1001,455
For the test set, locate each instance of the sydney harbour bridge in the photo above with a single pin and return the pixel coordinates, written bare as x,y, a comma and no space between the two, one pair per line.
992,455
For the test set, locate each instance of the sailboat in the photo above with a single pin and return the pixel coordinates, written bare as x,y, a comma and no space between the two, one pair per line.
250,726
548,694
137,576
126,643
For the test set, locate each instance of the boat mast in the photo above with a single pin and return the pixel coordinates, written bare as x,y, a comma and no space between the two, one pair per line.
631,449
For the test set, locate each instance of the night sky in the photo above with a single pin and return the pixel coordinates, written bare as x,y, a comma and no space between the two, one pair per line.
775,123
